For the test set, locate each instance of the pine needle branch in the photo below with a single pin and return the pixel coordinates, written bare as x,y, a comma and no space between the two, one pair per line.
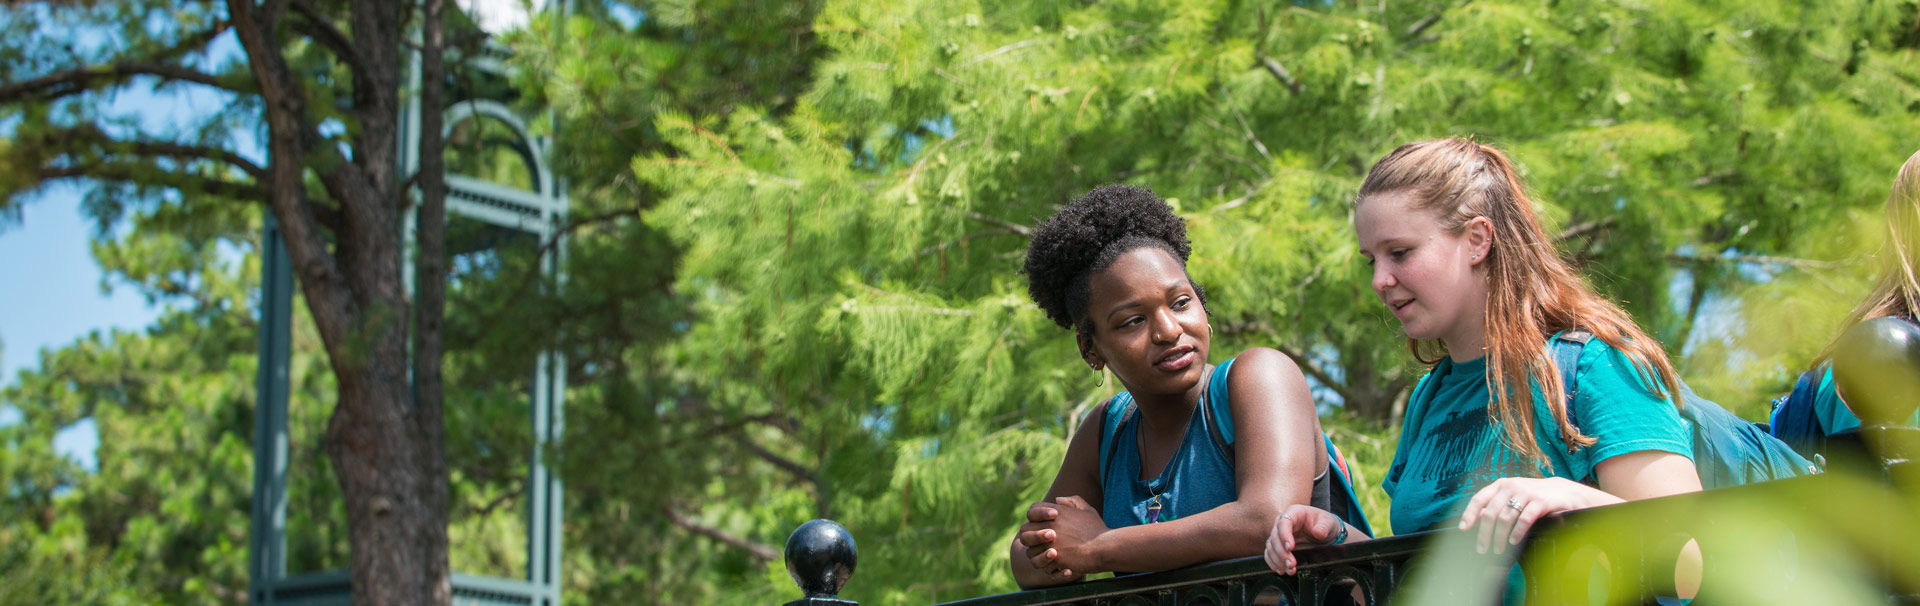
79,80
1001,223
794,183
938,311
519,489
321,29
1759,259
785,464
1581,229
75,81
762,552
1001,51
1413,31
124,160
553,241
1280,73
914,172
121,172
998,231
1251,138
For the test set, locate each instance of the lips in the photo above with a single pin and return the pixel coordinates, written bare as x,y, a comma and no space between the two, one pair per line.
1399,306
1176,359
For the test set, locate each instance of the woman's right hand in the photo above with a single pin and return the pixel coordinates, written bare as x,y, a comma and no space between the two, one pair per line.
1300,526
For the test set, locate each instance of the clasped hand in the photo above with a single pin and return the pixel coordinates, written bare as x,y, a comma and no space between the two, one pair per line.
1057,537
1507,508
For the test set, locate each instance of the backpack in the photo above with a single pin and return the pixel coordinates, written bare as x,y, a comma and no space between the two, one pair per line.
1793,420
1216,415
1727,450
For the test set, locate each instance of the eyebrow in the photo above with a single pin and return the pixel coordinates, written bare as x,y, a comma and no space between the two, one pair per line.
1388,242
1171,286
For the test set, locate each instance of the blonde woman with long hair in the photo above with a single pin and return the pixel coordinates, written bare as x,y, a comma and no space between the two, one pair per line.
1460,258
1816,409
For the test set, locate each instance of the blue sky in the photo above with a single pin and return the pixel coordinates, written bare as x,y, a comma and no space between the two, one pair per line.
56,297
57,293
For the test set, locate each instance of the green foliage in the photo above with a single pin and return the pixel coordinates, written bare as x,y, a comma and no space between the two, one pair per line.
169,500
792,279
54,566
852,266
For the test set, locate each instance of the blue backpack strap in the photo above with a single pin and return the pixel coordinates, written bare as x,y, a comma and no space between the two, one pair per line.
1566,348
1346,501
1566,356
1218,414
1119,408
1793,420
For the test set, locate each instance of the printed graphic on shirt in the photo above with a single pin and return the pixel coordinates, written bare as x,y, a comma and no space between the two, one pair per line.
1463,454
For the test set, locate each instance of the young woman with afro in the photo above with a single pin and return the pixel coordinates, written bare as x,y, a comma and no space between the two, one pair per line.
1147,483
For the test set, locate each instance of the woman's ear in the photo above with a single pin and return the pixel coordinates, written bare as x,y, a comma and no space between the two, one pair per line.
1087,352
1479,239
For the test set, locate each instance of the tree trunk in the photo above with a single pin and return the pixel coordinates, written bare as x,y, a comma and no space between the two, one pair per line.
380,474
430,277
386,452
1373,394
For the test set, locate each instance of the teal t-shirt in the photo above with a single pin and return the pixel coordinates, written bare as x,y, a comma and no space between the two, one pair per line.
1449,447
1833,414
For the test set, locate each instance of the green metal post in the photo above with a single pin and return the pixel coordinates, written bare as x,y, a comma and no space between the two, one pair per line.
267,549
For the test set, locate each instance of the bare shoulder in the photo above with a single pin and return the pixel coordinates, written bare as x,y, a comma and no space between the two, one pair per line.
1266,365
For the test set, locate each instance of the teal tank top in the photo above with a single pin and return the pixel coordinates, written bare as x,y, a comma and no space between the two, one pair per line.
1201,474
1198,478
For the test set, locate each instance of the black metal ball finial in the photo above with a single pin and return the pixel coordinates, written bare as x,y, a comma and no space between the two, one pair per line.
820,557
1876,365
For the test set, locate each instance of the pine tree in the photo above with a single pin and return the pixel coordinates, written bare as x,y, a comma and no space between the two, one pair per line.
853,265
317,85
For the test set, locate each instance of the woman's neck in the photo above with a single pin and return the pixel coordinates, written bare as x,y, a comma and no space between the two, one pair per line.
1467,350
1166,415
1468,340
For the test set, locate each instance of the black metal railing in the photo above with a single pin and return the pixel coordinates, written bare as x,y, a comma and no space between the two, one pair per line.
1756,541
1328,575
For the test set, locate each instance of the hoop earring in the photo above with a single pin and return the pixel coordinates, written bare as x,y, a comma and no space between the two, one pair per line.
1103,376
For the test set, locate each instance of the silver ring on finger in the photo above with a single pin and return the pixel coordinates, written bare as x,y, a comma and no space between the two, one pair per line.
1515,505
1285,517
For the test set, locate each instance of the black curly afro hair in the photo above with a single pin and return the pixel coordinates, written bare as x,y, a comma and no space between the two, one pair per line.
1088,236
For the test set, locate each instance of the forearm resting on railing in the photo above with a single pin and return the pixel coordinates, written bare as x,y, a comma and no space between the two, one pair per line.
1234,530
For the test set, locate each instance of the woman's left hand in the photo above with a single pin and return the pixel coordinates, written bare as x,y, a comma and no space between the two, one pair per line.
1506,509
1058,534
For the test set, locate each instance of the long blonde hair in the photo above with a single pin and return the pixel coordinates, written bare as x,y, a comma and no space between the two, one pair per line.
1898,292
1532,292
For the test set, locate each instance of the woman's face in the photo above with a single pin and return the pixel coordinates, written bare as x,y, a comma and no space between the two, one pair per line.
1148,324
1428,278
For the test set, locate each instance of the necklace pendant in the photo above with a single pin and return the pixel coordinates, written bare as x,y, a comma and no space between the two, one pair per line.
1153,510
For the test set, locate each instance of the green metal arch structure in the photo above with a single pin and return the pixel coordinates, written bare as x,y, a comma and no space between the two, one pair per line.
539,212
